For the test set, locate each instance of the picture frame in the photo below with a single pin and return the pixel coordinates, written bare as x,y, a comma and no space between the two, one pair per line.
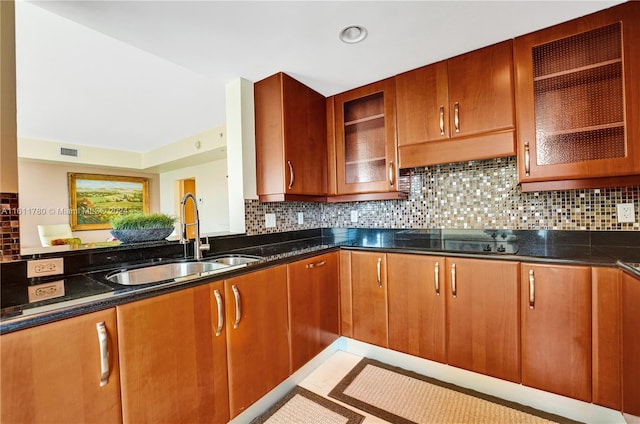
94,199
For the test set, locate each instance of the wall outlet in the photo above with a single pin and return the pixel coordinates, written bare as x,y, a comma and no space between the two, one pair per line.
626,212
270,220
354,216
44,267
300,218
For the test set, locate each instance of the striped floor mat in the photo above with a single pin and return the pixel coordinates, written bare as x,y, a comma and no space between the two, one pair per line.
300,406
404,397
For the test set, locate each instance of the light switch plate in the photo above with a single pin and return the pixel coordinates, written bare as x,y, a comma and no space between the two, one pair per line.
354,216
300,218
44,267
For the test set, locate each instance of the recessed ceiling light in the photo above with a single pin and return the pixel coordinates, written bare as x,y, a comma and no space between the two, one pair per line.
353,34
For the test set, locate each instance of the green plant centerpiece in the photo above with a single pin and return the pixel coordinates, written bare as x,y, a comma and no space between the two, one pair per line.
137,227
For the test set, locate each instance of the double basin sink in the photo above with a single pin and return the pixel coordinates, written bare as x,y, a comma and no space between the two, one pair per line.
179,270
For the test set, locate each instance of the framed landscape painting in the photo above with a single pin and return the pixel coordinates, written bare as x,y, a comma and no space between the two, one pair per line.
95,199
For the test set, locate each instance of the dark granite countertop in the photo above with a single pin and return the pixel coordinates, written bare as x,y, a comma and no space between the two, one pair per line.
86,290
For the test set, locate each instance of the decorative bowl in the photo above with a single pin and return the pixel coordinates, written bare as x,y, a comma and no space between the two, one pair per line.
142,234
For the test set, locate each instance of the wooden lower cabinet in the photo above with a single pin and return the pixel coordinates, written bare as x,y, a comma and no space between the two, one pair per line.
606,330
313,286
483,331
257,335
556,329
52,373
368,278
630,344
417,305
173,361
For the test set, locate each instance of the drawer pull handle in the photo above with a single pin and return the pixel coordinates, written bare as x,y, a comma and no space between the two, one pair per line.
441,119
236,295
392,173
532,289
527,160
218,297
104,353
291,175
378,266
456,116
436,277
454,289
317,264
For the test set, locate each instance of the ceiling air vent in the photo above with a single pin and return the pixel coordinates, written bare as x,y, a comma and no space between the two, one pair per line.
68,152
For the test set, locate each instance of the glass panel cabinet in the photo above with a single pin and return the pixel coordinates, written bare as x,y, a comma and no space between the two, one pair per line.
576,95
365,139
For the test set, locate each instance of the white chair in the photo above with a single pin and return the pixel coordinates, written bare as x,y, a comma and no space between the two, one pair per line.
52,232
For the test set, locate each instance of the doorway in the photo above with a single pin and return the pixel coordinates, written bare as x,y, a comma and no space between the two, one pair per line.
182,187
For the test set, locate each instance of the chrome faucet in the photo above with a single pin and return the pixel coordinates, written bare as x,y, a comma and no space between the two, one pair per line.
198,247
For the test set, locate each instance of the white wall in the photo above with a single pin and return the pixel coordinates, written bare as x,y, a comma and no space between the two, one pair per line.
211,189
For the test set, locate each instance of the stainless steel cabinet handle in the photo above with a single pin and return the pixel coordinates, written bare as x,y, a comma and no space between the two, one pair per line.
456,116
441,119
532,289
378,266
527,159
317,264
392,174
436,276
454,289
104,353
236,295
291,176
218,297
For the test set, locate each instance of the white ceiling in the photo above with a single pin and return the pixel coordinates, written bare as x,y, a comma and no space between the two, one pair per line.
136,75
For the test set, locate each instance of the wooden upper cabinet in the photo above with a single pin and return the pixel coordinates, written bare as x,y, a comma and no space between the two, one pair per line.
52,373
313,287
577,93
483,331
416,297
468,98
173,357
365,139
291,149
556,329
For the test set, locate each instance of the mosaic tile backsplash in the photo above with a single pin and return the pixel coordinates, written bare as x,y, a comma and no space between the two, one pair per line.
469,195
10,230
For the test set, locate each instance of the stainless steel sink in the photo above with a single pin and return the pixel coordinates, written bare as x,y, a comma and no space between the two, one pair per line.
164,272
232,259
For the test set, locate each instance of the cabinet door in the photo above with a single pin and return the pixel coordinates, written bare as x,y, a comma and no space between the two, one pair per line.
291,150
313,306
173,361
556,329
366,139
257,335
52,373
481,91
369,297
417,305
483,333
422,98
630,345
607,337
578,91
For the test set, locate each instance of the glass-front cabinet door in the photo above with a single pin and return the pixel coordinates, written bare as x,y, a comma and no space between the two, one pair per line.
365,139
577,98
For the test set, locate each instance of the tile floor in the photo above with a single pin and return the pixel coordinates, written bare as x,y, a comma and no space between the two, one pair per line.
324,379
